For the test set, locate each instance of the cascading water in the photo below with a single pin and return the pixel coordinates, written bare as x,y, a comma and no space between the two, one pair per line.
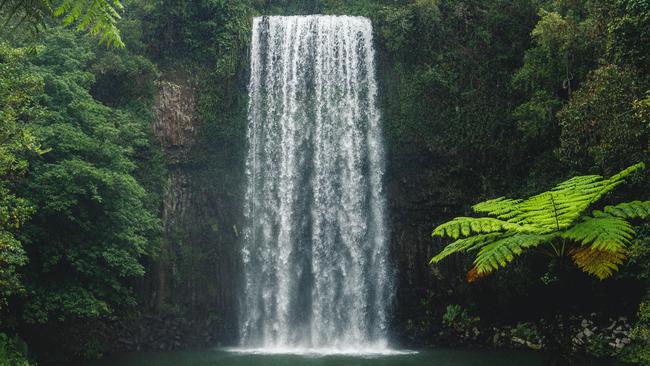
316,268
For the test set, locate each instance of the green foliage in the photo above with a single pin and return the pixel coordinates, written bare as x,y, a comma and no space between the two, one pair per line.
129,73
599,129
17,143
198,33
464,226
527,334
563,52
629,210
584,82
13,351
457,317
560,58
629,33
555,222
96,17
638,352
91,225
458,322
443,80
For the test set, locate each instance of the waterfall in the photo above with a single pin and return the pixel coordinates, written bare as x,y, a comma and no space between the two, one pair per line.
315,255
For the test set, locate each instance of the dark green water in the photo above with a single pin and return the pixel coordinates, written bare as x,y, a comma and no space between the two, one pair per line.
220,357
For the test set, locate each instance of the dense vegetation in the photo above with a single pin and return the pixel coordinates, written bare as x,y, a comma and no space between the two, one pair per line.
480,99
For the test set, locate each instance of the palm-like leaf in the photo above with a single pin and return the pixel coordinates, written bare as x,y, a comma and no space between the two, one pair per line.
559,217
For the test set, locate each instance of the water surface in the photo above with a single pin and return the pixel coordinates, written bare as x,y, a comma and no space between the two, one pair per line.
229,357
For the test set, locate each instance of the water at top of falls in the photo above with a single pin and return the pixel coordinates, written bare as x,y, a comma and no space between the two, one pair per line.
315,255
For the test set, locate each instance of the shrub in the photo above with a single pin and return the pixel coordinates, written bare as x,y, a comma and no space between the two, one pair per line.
13,351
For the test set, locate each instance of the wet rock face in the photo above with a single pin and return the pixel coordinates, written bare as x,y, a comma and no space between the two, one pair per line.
175,123
192,279
176,199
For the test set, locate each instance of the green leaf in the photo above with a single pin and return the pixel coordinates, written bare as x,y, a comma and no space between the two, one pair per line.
629,210
466,226
503,251
601,233
466,245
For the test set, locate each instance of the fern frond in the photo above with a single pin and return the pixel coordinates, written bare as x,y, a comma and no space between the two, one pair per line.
542,211
600,263
466,245
559,208
503,251
607,185
474,275
628,171
628,210
579,181
601,233
502,207
97,17
466,226
15,12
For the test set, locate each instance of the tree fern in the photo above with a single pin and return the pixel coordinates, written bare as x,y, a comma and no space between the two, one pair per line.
557,222
97,17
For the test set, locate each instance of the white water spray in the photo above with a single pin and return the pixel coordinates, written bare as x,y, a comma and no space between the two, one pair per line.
315,255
